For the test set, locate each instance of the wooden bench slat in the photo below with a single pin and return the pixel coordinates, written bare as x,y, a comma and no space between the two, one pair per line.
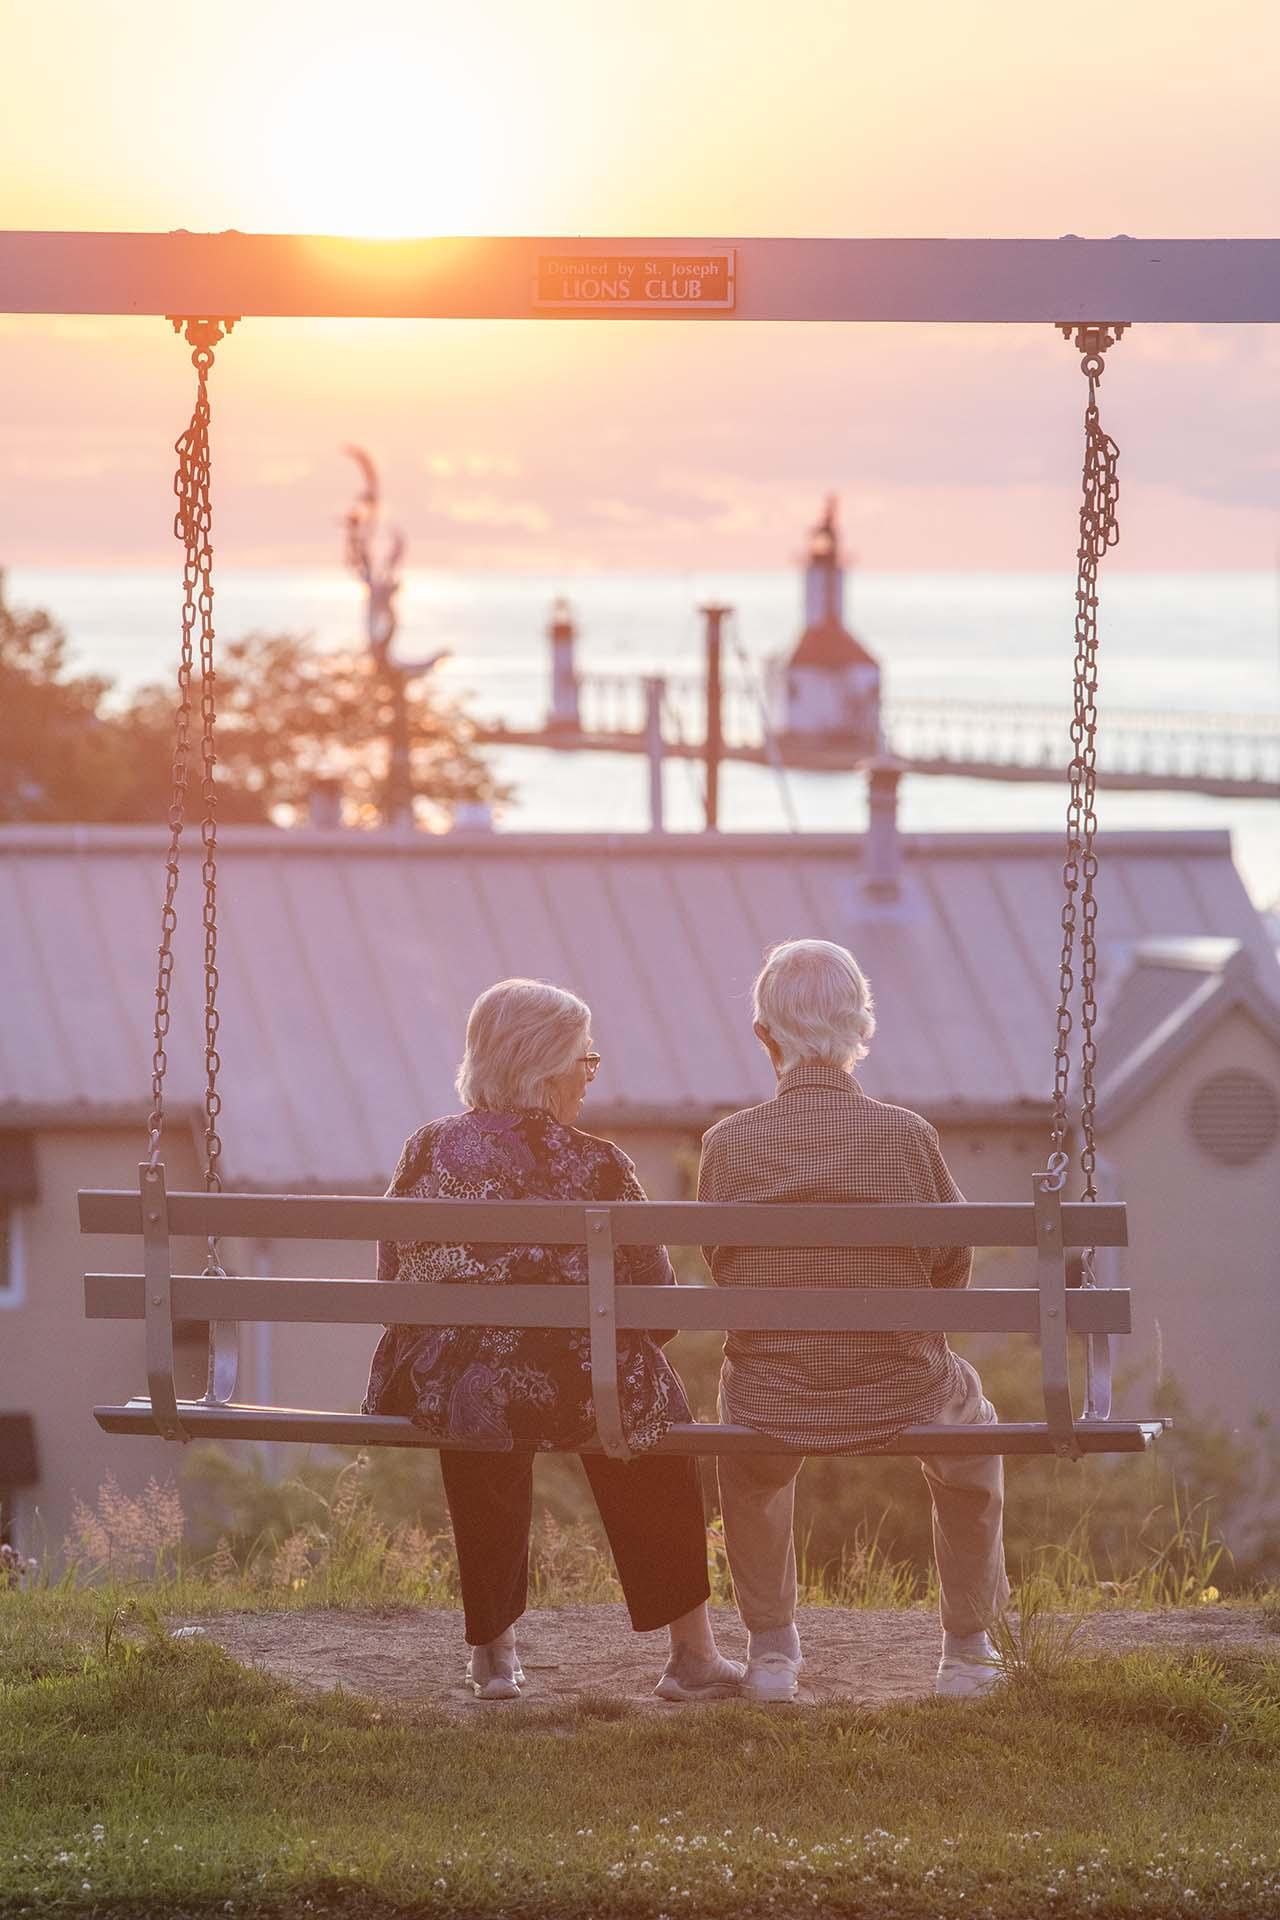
383,1430
196,1297
679,1223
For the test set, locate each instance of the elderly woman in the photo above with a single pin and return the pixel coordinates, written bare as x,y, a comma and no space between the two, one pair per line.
527,1065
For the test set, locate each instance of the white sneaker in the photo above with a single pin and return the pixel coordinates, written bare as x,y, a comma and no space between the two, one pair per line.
968,1676
772,1677
495,1676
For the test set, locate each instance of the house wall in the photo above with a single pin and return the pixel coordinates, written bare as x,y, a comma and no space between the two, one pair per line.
1203,1257
56,1365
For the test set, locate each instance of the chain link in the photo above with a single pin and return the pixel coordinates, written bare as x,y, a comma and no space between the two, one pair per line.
1099,530
192,525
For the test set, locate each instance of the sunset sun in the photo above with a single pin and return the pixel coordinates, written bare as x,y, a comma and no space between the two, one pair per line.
367,144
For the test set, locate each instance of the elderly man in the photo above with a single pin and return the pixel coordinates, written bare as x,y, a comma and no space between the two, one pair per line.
822,1139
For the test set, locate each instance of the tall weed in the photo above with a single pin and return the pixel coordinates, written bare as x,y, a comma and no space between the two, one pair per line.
126,1535
1035,1641
865,1576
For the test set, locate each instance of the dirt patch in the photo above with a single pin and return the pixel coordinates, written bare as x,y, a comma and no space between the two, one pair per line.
873,1659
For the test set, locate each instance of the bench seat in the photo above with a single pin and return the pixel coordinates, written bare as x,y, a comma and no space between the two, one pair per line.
300,1425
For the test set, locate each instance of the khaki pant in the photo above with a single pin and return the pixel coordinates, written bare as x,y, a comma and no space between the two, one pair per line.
757,1499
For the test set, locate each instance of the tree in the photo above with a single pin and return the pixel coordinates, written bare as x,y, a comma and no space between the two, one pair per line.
50,747
289,715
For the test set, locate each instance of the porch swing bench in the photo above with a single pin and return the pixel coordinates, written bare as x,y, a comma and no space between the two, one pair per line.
194,1317
189,1315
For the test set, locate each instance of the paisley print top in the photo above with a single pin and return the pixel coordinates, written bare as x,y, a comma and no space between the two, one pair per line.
503,1385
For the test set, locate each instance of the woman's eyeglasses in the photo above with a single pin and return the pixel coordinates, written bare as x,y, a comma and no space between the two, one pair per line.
591,1061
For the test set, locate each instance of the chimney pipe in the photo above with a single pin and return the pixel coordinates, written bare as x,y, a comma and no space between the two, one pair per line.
324,805
654,691
714,616
882,849
472,816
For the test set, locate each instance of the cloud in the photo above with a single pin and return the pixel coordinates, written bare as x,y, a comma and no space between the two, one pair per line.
489,510
704,449
61,466
283,472
444,466
622,513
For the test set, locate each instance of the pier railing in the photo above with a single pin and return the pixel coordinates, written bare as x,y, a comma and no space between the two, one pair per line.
1231,755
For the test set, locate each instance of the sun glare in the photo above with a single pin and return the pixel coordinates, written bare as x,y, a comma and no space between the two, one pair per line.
368,144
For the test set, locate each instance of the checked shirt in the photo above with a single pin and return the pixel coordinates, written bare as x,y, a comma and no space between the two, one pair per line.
821,1139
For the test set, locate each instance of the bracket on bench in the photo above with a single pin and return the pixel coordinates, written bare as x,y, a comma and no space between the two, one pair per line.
1051,1285
604,1334
222,1337
157,1269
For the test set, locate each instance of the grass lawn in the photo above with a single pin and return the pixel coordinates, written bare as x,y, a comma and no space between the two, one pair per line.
143,1775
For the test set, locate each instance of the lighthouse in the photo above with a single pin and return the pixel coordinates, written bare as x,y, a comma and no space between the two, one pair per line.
827,691
562,632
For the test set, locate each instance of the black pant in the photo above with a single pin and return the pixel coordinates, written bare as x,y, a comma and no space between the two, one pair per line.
652,1512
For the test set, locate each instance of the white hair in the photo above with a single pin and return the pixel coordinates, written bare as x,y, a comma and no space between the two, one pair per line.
816,1002
520,1035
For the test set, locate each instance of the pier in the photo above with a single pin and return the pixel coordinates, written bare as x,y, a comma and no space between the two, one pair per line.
1225,755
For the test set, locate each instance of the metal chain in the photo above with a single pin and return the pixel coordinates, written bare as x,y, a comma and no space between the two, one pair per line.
1099,530
192,525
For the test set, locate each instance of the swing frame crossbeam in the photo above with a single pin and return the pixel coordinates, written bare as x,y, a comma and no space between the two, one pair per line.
199,1312
301,276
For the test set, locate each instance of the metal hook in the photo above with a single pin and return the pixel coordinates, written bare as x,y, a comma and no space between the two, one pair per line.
202,335
1055,1174
1092,339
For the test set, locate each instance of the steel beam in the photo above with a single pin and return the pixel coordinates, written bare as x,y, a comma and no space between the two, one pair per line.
948,281
310,1428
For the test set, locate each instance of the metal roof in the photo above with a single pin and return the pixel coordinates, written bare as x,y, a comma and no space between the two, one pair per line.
349,962
1161,980
1174,992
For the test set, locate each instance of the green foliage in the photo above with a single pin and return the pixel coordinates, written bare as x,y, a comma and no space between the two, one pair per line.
289,713
1234,1474
51,746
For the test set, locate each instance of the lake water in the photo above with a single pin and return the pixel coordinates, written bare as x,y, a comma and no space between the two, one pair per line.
1205,643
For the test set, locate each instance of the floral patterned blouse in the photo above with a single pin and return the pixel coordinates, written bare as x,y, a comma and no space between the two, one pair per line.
507,1385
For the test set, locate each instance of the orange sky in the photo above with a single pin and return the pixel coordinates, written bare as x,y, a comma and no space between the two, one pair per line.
576,445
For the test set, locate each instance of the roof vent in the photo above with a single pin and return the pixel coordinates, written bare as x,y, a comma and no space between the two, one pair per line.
1234,1117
